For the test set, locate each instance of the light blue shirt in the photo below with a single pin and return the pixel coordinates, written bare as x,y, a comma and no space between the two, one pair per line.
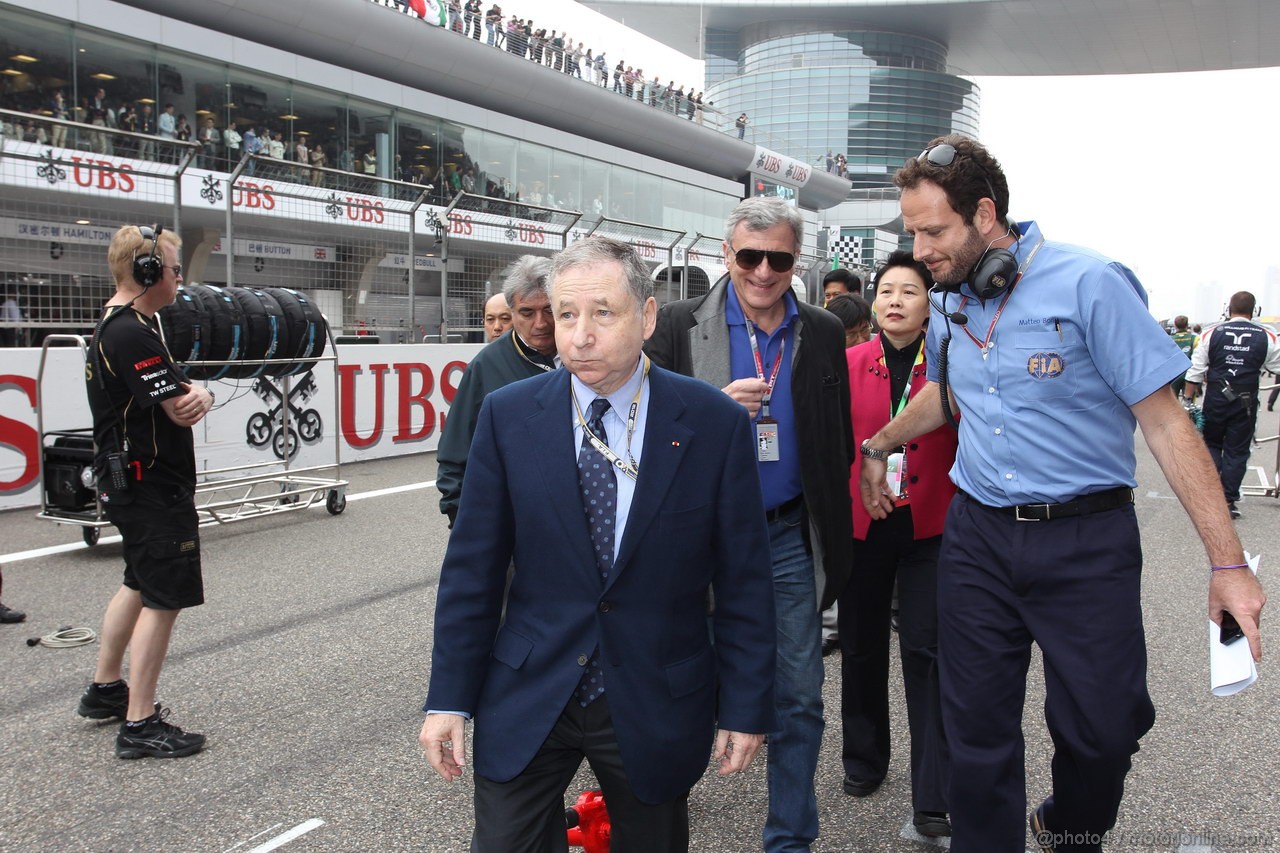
1046,417
615,426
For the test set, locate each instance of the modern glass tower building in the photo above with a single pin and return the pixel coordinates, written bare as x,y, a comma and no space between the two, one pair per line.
874,80
812,89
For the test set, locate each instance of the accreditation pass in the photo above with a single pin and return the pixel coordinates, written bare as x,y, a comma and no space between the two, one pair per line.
767,439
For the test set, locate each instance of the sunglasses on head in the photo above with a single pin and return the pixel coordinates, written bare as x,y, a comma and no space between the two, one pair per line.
749,259
944,154
941,154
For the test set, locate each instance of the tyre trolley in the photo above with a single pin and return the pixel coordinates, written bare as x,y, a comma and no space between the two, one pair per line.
222,495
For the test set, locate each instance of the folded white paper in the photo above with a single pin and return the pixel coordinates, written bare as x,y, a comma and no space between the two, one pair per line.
1231,668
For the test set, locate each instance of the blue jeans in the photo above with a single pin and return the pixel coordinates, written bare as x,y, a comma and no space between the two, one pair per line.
792,824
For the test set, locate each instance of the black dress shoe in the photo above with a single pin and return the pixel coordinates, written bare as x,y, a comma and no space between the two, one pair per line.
9,615
932,824
856,787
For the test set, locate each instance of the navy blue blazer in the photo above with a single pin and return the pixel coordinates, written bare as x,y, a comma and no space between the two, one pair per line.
696,523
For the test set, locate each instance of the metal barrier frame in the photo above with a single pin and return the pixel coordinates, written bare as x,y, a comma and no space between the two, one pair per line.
643,238
1266,489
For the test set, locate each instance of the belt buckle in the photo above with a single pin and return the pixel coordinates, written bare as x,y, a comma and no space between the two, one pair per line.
1017,512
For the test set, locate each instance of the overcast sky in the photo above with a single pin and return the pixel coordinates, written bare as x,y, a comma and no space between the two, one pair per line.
1172,174
1175,175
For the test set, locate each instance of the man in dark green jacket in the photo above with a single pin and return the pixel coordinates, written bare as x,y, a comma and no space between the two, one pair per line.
526,349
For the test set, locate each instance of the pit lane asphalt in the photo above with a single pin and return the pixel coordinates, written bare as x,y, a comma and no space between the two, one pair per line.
307,666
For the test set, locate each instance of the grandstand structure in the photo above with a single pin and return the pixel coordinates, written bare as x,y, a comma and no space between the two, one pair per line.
374,127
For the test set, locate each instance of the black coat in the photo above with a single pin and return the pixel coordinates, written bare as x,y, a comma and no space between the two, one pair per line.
692,338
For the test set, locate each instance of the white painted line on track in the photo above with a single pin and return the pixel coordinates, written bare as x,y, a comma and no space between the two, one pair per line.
392,490
252,837
35,553
285,837
54,549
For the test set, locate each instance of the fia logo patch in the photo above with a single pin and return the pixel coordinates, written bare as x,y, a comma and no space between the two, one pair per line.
1046,365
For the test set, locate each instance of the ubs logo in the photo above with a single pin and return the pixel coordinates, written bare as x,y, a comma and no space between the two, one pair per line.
1046,365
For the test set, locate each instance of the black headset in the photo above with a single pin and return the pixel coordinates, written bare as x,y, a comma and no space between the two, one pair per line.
148,269
994,272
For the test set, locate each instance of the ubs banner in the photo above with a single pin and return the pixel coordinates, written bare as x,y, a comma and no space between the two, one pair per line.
394,399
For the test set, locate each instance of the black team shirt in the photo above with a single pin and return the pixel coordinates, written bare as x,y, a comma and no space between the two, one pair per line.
139,374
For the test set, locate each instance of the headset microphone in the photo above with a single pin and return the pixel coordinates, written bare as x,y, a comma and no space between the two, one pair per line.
954,316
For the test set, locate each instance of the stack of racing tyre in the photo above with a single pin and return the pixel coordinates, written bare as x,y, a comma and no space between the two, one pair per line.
233,332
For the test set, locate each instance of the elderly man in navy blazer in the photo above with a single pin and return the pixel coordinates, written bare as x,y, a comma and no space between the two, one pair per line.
600,648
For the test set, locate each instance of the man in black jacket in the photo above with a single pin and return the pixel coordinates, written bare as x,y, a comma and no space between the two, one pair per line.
784,361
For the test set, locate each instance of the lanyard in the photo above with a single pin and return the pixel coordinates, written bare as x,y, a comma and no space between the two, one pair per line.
630,467
906,390
985,345
520,352
777,365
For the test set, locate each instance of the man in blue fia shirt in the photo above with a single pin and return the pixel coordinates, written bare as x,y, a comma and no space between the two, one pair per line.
1052,358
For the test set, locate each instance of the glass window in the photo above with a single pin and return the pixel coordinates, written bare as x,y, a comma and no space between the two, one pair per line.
566,181
256,102
595,189
533,173
418,145
622,194
36,61
494,157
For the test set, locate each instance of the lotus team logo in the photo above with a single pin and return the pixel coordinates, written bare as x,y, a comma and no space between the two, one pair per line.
210,191
1046,365
51,171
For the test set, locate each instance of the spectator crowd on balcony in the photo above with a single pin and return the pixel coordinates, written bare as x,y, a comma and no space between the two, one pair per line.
560,52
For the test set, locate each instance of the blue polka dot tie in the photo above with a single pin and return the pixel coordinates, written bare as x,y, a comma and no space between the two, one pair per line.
600,500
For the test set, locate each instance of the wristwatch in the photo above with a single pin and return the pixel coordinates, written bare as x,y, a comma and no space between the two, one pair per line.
872,453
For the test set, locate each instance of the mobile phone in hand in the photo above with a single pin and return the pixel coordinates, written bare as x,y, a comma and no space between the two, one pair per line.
1230,630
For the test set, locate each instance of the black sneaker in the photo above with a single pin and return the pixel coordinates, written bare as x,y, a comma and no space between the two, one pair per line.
1235,512
98,704
10,616
157,739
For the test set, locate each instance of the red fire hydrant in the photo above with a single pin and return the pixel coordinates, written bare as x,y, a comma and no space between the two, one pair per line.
588,822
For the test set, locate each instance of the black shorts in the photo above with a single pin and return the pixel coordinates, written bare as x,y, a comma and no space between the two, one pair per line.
161,537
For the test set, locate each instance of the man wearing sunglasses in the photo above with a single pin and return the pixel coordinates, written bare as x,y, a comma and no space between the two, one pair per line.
1053,359
143,412
784,361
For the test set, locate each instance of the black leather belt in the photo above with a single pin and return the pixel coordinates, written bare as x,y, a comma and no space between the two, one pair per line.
783,509
1096,502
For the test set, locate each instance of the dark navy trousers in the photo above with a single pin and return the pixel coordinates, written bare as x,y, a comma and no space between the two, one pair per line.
1072,586
1228,433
